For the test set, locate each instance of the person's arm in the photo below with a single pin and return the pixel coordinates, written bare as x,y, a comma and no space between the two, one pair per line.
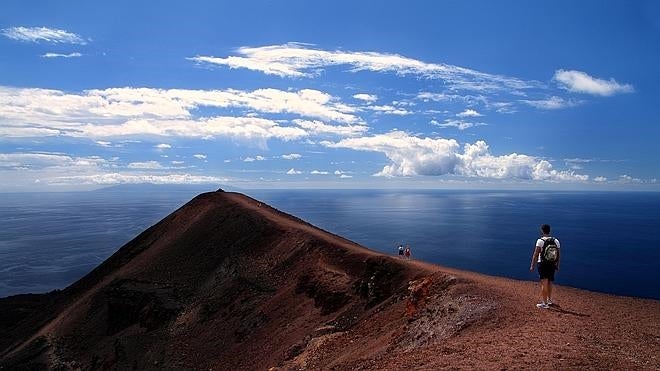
535,258
558,254
558,258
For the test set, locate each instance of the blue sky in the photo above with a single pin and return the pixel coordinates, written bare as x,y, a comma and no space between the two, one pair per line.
468,94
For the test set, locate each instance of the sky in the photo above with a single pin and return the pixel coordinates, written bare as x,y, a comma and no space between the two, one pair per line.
332,94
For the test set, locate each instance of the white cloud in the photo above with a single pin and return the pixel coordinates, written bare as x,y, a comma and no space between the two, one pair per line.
8,130
342,174
369,98
629,179
600,179
468,99
551,103
318,128
293,171
58,55
48,168
458,124
119,178
163,146
199,156
152,165
580,82
291,156
41,160
301,60
252,159
176,163
388,110
39,34
318,172
411,155
103,143
156,112
469,113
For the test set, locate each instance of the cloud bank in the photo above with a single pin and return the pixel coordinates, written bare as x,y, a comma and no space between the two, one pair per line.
117,112
412,155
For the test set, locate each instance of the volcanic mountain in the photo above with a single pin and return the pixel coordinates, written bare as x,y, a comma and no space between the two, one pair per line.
227,282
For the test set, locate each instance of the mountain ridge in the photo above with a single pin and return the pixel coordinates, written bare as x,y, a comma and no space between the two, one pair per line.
228,282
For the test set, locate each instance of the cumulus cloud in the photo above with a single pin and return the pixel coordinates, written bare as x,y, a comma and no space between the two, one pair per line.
293,171
369,98
600,179
43,34
58,55
581,82
199,156
291,156
411,155
252,159
319,172
163,146
303,60
469,113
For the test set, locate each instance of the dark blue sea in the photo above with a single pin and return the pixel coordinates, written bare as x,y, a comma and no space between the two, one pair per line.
609,240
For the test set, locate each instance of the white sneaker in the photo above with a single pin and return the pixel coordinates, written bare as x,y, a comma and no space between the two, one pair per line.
542,305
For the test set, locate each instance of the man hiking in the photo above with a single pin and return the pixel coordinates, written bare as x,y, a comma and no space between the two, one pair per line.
546,257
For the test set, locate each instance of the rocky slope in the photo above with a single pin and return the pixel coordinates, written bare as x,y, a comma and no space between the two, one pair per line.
227,282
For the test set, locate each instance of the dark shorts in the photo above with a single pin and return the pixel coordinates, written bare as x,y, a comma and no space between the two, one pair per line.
546,270
401,252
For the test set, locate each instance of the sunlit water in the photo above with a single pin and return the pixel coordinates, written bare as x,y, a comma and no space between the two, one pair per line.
608,239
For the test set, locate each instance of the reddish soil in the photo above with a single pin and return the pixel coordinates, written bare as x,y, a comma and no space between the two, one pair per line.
227,283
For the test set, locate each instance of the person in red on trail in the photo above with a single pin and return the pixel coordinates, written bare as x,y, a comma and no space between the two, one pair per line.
406,252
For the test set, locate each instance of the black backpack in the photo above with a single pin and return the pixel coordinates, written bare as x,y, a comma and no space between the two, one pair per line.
550,251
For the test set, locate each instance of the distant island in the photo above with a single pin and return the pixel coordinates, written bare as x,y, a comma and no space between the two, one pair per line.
228,282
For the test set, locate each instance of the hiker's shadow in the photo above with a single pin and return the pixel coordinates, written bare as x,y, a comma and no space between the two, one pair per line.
559,309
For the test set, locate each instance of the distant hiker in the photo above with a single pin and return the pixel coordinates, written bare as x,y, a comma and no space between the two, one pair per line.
546,256
401,251
406,252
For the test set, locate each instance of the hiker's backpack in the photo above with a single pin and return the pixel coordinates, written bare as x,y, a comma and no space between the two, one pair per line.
550,252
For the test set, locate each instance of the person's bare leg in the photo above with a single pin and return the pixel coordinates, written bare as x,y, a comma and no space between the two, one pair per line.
544,290
549,291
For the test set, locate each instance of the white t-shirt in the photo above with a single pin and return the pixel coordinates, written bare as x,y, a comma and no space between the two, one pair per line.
541,241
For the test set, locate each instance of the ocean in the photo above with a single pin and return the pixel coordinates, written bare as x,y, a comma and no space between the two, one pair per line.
608,239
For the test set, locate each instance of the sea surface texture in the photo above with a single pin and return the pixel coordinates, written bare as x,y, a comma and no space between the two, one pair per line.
608,239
